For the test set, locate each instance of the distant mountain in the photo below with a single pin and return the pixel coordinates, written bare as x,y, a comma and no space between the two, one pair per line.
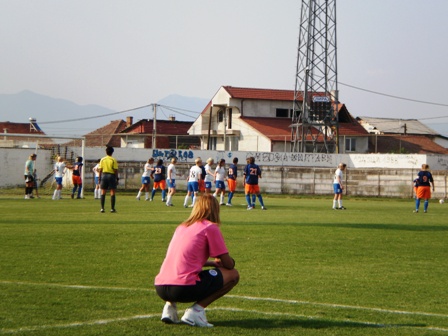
61,117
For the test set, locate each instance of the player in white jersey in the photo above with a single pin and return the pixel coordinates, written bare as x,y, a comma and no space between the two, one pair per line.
147,170
209,175
193,182
96,172
338,186
171,180
59,171
220,176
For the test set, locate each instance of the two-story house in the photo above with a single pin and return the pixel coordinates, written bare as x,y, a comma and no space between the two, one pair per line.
249,119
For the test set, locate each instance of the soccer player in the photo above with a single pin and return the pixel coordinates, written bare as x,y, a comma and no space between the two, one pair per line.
197,242
202,179
108,178
193,182
59,171
146,179
171,179
232,174
76,177
425,181
209,175
30,171
338,186
220,175
254,197
159,176
252,173
97,190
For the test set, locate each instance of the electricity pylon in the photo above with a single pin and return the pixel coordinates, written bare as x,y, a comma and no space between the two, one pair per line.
314,118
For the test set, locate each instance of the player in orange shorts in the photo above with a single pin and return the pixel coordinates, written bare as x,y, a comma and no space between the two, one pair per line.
252,173
232,174
76,177
425,181
159,177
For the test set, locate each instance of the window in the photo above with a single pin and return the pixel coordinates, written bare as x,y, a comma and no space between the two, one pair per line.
282,113
350,144
229,120
220,116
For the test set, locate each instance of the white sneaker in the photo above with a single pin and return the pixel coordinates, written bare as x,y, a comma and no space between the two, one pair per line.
27,197
250,208
228,204
169,314
263,208
195,317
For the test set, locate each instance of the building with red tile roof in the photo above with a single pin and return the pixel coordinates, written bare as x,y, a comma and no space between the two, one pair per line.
169,134
120,133
250,119
30,128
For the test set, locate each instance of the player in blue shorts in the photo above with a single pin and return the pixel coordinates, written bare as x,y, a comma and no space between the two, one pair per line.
146,179
220,175
193,182
338,187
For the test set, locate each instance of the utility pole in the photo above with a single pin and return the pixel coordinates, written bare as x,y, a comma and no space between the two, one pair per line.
154,129
315,126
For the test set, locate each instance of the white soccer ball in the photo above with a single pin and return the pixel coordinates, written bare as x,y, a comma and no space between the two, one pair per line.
441,201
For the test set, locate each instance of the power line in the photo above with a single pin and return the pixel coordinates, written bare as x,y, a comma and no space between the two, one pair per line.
93,117
392,96
173,109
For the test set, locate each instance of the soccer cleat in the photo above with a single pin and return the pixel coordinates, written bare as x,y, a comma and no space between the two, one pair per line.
185,206
191,205
72,195
27,197
195,317
146,199
169,204
250,207
342,208
263,208
228,204
113,210
335,208
169,314
222,204
150,199
102,210
163,200
137,198
79,197
416,211
425,211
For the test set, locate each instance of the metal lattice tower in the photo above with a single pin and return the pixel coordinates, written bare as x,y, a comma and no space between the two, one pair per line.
314,117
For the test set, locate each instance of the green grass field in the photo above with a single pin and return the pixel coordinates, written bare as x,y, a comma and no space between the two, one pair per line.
374,269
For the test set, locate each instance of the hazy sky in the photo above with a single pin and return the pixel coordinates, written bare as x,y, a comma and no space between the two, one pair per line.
127,53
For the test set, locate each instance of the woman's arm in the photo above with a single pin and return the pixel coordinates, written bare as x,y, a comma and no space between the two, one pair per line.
224,260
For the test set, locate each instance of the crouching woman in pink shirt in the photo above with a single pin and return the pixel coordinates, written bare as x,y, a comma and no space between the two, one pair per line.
182,278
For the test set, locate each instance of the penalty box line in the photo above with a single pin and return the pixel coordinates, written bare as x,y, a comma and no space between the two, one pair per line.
241,297
257,312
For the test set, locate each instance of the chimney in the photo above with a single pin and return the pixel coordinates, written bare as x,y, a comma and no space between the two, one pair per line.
129,121
172,117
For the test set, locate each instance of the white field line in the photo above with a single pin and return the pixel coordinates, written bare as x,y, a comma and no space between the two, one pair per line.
75,324
106,321
257,312
241,297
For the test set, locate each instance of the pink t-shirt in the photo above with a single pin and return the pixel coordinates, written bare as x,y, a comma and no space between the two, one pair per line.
189,249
